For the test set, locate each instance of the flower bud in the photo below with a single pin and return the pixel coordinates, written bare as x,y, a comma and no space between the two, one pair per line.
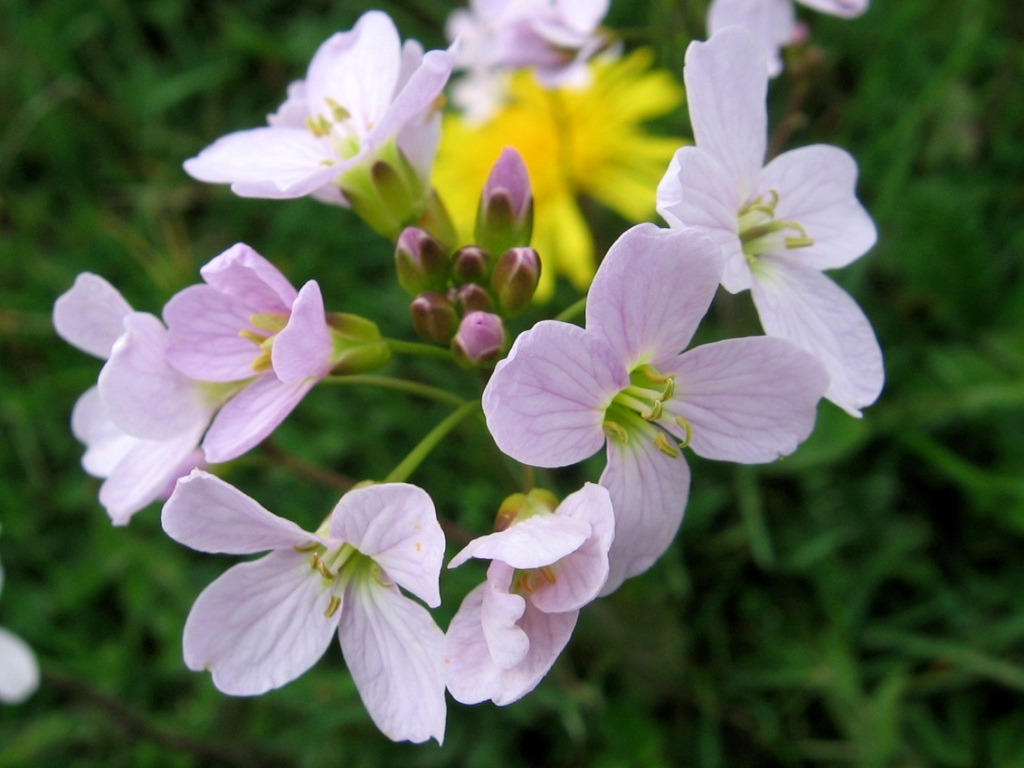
386,191
421,262
433,317
472,298
522,506
358,345
505,216
471,264
480,341
514,279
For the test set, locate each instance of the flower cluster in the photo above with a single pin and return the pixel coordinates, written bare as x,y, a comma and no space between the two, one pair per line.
181,396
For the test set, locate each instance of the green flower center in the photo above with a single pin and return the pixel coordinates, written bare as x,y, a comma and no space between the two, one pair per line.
271,322
337,567
637,412
760,232
336,126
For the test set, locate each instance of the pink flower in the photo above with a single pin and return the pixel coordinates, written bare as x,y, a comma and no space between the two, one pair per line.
546,565
778,225
565,391
773,22
265,622
139,450
363,92
248,326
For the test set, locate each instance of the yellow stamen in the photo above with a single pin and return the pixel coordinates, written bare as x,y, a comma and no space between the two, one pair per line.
332,606
662,445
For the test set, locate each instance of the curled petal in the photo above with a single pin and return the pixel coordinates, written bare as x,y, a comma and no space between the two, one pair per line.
394,651
303,347
90,315
244,274
546,401
507,643
532,543
260,625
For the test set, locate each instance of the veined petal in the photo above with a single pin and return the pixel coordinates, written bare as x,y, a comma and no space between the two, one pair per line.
697,191
105,444
532,543
142,393
727,88
303,347
395,525
816,187
651,291
546,401
801,305
90,315
845,8
244,274
771,21
394,651
357,70
145,471
746,400
19,670
649,491
579,577
470,672
260,625
507,643
203,340
210,515
273,162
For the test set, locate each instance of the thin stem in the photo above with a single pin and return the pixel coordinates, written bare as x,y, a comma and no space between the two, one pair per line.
572,311
402,385
409,464
400,347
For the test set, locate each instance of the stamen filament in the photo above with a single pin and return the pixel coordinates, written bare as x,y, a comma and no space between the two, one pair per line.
332,606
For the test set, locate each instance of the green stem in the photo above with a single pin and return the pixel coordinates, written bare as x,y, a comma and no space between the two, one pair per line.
419,348
572,311
427,444
402,385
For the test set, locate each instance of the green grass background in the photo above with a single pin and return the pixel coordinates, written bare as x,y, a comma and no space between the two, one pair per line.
860,603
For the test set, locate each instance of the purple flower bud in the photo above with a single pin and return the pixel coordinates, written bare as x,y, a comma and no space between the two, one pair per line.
505,216
421,262
480,341
514,279
473,298
471,264
434,317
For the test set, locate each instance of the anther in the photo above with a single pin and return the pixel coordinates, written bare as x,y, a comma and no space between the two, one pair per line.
332,606
662,445
615,430
687,431
309,546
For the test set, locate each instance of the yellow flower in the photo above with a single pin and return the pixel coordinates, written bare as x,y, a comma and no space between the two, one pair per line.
586,141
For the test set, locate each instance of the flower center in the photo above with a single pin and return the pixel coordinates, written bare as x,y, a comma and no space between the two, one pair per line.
637,412
273,323
337,567
529,581
337,127
760,232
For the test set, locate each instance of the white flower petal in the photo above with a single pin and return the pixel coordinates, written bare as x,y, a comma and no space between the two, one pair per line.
772,22
19,670
90,315
532,543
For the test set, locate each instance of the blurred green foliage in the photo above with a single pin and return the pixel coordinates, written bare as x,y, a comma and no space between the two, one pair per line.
858,603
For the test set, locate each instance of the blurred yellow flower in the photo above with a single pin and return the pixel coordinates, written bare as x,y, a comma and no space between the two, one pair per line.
586,141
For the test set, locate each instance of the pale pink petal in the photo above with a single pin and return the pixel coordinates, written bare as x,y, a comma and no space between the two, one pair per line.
396,525
244,274
210,515
532,543
845,8
772,22
727,87
273,162
303,347
746,400
19,670
579,577
801,305
816,187
545,403
649,491
251,415
582,15
144,472
507,643
696,191
651,291
295,109
357,70
203,339
105,444
470,672
90,315
394,651
143,395
260,625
